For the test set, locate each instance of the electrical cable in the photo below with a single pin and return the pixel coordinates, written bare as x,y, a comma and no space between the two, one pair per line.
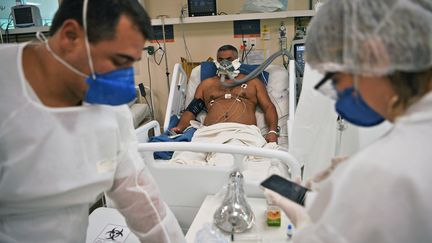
243,45
189,63
233,113
155,51
7,27
150,88
182,16
1,34
160,60
247,53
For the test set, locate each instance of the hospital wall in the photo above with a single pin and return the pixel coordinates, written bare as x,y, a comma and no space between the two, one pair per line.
203,40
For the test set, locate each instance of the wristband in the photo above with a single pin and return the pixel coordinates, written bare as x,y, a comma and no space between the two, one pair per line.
274,132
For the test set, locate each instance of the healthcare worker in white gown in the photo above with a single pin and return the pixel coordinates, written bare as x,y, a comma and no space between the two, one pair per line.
66,135
377,57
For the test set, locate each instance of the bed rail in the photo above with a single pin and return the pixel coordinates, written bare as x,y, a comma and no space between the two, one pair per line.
177,94
239,152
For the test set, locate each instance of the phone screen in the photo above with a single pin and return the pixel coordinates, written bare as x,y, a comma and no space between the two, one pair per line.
286,188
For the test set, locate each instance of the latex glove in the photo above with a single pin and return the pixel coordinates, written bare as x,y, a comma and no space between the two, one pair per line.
312,183
295,212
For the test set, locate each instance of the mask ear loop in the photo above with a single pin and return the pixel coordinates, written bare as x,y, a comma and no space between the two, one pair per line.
87,45
40,36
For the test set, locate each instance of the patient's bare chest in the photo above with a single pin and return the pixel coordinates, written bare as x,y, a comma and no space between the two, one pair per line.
220,92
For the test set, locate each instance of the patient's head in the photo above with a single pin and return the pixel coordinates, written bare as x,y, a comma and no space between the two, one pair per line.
227,52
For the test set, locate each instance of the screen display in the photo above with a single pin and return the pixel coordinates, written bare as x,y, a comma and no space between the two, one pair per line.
202,6
299,56
300,47
23,15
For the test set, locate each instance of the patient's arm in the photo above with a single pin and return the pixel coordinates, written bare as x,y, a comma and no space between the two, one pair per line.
269,109
187,116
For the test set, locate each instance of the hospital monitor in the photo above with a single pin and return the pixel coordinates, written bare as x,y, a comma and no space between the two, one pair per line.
202,8
299,56
26,16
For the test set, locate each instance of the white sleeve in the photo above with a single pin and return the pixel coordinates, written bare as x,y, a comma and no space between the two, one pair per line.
365,204
136,196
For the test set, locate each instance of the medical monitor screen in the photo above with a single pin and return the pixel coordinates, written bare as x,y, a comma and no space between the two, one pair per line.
299,56
23,15
202,7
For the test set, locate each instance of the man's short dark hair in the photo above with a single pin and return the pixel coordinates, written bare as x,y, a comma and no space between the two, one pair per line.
228,48
103,17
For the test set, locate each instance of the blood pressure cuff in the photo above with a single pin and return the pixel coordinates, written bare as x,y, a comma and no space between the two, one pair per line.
196,106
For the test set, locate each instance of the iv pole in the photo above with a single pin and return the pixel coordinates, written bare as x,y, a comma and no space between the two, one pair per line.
165,51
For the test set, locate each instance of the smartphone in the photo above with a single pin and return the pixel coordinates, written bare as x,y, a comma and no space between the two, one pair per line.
286,188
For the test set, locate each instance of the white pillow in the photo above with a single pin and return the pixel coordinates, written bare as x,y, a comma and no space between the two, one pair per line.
277,88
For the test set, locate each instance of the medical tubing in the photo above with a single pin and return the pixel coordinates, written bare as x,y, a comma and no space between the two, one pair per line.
230,109
165,52
258,70
150,87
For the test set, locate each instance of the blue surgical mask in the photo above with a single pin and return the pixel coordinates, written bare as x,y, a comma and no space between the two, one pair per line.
113,88
351,106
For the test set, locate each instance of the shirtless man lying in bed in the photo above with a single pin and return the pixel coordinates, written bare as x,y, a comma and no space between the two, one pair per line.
231,106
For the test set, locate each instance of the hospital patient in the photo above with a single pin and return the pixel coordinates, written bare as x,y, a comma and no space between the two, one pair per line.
230,115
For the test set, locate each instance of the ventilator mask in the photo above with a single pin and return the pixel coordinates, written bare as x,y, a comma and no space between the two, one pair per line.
228,68
113,88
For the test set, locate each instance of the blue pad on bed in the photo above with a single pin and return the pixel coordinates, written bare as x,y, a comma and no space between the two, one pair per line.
186,136
208,70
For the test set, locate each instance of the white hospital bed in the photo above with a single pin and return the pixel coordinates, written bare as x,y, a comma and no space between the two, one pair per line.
184,187
280,87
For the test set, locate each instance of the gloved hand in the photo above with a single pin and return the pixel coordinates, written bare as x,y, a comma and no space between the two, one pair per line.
311,183
295,212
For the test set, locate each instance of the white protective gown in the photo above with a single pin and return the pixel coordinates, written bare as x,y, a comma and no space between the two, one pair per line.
383,193
314,135
55,161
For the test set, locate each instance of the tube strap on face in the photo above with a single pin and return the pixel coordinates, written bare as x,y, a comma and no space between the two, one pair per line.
196,106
